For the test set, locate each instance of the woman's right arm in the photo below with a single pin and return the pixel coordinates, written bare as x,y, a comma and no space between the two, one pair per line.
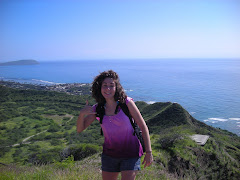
85,118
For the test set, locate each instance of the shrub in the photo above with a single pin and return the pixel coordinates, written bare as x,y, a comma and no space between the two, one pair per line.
54,128
168,141
55,142
80,151
45,157
66,163
3,127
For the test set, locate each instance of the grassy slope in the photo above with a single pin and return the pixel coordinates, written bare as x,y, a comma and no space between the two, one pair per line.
171,127
25,113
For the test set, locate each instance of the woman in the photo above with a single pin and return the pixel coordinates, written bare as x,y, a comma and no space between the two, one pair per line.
121,149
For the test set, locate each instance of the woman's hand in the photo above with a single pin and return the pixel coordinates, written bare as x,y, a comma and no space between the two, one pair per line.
148,159
87,110
85,118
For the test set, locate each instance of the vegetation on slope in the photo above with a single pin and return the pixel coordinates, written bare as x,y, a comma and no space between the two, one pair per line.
49,120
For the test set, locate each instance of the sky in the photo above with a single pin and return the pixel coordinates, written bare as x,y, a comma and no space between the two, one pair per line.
118,29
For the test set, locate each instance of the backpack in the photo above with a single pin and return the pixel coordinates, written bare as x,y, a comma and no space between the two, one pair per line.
100,110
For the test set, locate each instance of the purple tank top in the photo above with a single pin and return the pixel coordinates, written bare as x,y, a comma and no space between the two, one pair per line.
119,140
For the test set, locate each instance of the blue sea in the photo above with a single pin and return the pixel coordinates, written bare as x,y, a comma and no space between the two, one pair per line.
209,89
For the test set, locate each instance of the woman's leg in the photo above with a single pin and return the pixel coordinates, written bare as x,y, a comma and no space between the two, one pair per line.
128,175
109,175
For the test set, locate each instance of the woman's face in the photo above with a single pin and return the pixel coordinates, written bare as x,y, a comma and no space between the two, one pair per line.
108,88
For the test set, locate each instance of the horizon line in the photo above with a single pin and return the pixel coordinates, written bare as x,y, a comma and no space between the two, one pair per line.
99,59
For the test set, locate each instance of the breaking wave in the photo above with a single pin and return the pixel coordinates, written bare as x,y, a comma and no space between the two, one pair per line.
216,120
150,102
44,82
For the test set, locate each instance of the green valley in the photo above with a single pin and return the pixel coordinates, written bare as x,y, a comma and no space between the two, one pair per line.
38,140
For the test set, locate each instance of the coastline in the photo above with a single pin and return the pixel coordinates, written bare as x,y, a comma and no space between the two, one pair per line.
231,124
68,88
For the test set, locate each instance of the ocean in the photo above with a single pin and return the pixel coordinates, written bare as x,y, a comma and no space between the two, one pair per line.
209,89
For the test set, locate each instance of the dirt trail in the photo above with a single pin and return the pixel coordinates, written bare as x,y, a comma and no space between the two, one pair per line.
24,141
68,115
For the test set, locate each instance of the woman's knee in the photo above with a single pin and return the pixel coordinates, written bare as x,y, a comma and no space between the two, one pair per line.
109,175
128,175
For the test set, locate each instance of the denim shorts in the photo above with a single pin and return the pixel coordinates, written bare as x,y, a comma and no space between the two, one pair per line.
110,164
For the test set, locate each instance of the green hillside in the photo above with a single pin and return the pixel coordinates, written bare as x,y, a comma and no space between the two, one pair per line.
38,139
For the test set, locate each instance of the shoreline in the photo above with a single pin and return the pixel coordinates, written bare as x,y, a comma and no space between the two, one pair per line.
68,88
84,89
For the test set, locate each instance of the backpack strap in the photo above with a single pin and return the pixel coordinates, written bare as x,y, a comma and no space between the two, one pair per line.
137,131
100,110
127,113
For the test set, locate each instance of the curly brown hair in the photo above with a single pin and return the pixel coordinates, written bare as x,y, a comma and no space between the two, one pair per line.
97,85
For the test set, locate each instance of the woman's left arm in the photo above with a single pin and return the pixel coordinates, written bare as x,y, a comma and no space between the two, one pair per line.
134,111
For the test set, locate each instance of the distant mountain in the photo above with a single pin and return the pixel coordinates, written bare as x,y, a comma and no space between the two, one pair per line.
20,62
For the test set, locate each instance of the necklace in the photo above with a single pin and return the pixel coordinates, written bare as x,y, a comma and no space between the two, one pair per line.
117,107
